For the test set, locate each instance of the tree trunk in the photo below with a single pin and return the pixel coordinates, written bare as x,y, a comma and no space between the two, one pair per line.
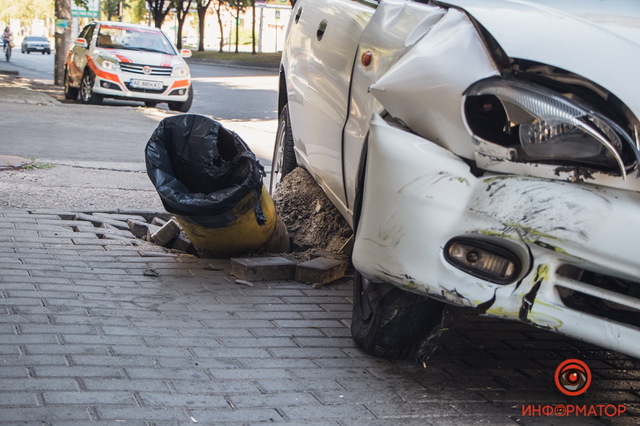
157,13
237,29
221,26
182,16
253,27
62,40
202,13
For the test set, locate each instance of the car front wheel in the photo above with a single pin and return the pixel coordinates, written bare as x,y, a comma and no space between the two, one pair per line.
284,158
392,323
87,96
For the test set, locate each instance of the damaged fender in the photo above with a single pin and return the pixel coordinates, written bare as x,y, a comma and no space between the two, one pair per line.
418,196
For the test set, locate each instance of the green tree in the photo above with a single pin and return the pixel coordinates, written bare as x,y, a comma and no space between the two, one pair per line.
159,10
201,7
137,11
218,6
113,8
182,9
253,27
238,6
26,10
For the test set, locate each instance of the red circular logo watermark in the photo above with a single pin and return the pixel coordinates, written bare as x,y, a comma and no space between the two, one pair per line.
573,377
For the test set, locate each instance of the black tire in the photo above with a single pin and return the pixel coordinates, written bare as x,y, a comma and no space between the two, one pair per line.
284,158
392,323
183,106
87,96
150,104
70,93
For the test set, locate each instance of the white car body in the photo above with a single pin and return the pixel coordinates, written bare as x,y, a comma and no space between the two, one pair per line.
125,71
405,122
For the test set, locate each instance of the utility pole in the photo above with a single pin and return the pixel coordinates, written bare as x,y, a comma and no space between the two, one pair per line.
62,38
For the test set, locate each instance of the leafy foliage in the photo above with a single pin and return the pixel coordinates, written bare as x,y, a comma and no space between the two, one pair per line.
25,10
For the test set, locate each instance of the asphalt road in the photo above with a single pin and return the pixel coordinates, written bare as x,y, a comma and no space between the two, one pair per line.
243,99
97,151
33,65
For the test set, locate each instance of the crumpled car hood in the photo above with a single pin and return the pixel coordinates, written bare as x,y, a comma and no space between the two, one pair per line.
596,39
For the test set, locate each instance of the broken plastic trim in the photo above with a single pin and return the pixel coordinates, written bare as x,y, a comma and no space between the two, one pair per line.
551,127
483,260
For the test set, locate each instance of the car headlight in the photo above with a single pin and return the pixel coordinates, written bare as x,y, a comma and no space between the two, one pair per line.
107,63
543,126
180,71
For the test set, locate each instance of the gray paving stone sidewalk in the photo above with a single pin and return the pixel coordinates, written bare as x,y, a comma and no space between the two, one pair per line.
98,328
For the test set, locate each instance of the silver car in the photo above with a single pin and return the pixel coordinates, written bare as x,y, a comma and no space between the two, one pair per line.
486,154
36,44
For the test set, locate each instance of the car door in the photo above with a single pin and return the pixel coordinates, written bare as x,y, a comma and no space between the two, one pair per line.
322,44
77,56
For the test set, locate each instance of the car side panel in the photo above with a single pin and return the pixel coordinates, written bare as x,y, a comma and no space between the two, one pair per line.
322,46
77,56
395,28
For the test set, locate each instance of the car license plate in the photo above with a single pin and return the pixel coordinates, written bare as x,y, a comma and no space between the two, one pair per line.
146,84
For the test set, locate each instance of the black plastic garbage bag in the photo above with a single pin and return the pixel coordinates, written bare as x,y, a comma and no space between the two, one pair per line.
202,170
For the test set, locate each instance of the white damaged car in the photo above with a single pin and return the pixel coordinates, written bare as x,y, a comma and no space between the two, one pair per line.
130,62
486,155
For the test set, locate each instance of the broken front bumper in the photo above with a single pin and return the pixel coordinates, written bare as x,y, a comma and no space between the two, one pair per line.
579,273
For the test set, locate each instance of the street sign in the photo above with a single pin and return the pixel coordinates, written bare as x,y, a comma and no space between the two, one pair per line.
92,11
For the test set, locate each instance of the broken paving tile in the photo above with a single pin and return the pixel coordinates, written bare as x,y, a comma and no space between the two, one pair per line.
320,270
166,234
138,228
98,221
263,268
151,273
158,221
182,243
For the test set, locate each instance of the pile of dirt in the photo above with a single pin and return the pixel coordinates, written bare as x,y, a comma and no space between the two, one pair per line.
311,219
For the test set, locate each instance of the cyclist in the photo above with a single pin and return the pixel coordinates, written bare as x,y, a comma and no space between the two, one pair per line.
7,37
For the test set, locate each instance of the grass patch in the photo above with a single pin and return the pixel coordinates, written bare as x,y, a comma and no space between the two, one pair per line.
35,165
246,57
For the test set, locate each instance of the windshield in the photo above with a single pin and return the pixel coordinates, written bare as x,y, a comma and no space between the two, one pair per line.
120,37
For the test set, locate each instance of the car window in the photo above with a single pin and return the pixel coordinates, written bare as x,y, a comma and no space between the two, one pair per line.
120,37
87,32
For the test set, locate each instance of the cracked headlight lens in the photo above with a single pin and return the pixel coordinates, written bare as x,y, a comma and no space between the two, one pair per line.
547,126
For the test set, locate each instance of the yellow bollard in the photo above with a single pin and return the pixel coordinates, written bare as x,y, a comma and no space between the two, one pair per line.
243,235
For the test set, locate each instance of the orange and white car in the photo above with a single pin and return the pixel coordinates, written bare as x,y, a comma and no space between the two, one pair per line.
127,61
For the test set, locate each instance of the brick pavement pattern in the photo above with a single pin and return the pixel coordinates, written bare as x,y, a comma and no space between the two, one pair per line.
101,328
